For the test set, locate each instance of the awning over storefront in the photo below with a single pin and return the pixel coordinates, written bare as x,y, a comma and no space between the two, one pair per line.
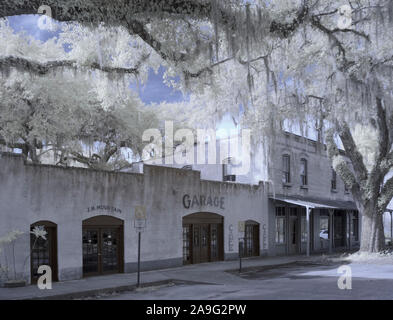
309,203
317,203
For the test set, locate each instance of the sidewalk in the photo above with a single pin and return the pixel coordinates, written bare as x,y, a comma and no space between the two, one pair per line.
208,273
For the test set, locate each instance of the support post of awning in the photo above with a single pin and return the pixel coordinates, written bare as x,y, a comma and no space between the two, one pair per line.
349,224
391,227
308,229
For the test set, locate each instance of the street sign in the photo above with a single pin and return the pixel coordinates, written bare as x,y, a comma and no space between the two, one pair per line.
139,224
140,213
140,218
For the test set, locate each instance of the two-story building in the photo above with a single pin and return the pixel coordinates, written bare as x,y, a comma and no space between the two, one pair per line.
313,209
310,208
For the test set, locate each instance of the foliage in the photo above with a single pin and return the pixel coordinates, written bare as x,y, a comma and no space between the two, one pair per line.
266,63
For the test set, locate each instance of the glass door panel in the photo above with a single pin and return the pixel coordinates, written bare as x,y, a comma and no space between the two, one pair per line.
109,250
204,242
90,251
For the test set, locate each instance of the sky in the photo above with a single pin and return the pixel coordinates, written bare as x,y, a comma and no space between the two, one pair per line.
154,91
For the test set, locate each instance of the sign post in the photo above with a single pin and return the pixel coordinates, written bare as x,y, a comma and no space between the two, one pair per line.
139,260
241,243
139,224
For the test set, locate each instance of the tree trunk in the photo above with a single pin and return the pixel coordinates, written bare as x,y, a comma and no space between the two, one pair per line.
372,233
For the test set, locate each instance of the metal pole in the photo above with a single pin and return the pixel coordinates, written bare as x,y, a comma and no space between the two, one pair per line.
391,228
240,255
349,220
139,260
308,230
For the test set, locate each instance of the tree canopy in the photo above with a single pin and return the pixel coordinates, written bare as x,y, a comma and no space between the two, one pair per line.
264,62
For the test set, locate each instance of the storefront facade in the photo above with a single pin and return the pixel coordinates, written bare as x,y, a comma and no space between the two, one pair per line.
89,217
327,229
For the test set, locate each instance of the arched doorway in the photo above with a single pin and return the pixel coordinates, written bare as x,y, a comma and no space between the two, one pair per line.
203,238
103,245
251,239
43,251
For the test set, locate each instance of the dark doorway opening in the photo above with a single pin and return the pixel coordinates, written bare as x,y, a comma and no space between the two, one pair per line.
339,221
293,230
103,245
43,251
203,238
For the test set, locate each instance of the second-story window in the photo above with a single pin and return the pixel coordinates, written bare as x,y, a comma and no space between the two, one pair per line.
286,168
334,180
303,172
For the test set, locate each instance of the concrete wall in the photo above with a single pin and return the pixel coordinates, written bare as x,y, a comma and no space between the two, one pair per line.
65,196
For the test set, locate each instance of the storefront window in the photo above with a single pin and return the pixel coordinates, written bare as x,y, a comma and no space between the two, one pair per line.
280,225
324,229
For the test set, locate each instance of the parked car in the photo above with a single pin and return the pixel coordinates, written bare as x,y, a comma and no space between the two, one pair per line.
324,234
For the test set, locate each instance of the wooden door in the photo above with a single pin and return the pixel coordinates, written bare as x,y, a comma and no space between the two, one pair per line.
202,238
200,247
101,250
251,241
196,243
103,245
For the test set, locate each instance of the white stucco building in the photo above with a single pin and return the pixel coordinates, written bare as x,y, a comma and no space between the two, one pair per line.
89,217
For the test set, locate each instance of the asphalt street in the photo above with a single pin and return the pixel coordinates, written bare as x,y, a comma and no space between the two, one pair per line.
291,281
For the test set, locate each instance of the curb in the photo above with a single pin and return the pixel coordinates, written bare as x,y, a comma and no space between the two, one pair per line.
96,292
